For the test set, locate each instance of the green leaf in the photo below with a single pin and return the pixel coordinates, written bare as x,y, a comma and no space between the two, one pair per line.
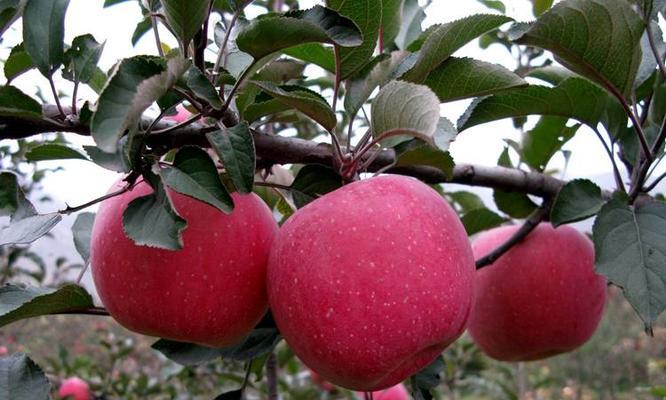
630,247
18,302
22,379
427,379
9,189
575,98
599,39
260,341
235,147
418,152
461,78
83,57
15,103
194,174
185,17
367,16
44,33
577,200
29,229
10,11
494,4
514,204
202,88
230,395
444,40
552,74
141,29
112,161
304,100
391,20
152,221
541,143
268,35
257,110
53,151
280,71
313,181
135,84
410,28
480,219
541,6
406,109
466,201
313,53
17,63
378,72
81,232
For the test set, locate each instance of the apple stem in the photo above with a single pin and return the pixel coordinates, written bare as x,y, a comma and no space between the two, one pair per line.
531,222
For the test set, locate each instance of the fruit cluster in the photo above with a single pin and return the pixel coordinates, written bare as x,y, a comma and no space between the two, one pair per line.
367,284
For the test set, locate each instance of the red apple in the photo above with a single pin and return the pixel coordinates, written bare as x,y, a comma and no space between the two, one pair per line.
4,351
317,380
397,392
182,115
539,299
74,388
369,283
212,292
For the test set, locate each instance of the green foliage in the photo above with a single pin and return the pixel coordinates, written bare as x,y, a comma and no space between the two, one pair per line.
185,18
44,32
235,147
21,378
577,200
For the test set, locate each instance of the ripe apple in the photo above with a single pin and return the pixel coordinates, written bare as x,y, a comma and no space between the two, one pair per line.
4,351
541,298
369,283
182,115
397,392
74,388
212,292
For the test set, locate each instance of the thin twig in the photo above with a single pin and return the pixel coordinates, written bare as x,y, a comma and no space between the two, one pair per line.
82,273
223,47
271,376
55,96
654,184
616,171
156,33
655,51
84,311
236,86
74,94
107,196
528,226
194,118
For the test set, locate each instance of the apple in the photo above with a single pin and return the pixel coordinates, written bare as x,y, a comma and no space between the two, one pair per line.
541,298
397,392
212,292
4,350
323,384
369,283
74,388
181,115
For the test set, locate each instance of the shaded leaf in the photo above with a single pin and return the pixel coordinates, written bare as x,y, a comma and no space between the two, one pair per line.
267,35
152,221
313,181
22,379
599,39
185,17
136,83
630,248
410,28
424,381
193,173
418,152
577,200
28,229
17,63
53,151
82,57
18,302
44,33
82,231
313,53
461,78
14,103
544,140
304,100
444,40
203,88
480,219
235,147
367,16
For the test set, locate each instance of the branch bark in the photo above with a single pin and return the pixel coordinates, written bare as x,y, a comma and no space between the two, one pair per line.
282,150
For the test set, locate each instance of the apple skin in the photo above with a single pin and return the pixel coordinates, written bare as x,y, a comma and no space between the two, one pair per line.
181,115
397,392
212,292
541,298
369,283
74,388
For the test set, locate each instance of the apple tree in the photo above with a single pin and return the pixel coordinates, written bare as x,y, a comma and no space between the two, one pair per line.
270,113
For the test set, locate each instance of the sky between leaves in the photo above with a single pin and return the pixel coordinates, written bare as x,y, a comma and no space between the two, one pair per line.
480,145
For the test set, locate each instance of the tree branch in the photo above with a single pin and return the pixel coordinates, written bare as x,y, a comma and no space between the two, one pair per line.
282,150
528,226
